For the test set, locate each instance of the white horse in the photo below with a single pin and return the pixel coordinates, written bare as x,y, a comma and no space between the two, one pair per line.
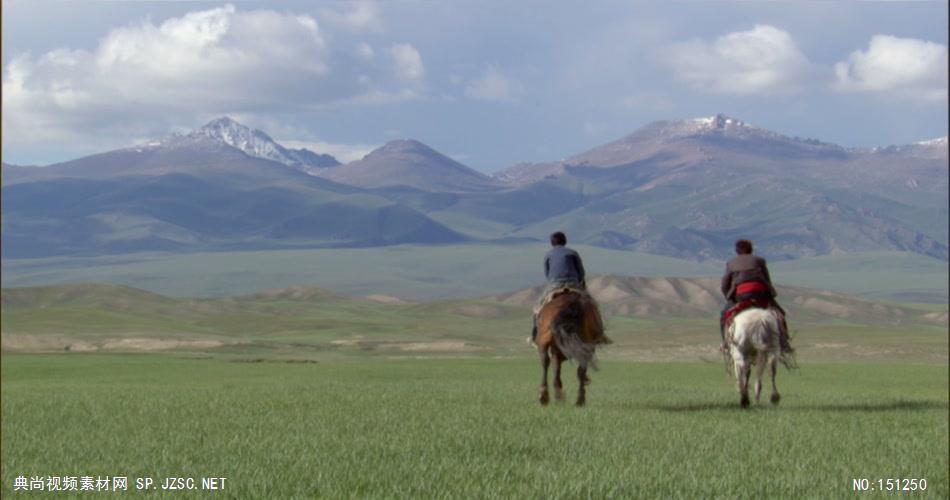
754,340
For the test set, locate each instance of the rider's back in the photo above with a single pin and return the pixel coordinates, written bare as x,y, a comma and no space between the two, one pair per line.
563,265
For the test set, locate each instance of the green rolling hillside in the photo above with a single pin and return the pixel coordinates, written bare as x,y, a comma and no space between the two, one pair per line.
648,318
427,272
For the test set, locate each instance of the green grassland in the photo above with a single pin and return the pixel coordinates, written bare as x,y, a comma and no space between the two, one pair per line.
408,271
431,272
901,277
468,428
304,392
309,323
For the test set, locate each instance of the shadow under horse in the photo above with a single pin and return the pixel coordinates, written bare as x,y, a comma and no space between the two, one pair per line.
569,327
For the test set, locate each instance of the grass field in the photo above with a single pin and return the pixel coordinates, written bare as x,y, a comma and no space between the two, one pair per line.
901,277
409,271
469,428
435,272
303,393
317,324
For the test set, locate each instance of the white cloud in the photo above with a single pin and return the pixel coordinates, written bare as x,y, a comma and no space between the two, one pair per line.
407,62
365,51
493,86
355,16
344,153
907,66
763,60
214,46
145,78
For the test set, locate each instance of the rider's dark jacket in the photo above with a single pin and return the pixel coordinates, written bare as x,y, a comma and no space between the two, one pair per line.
563,265
746,268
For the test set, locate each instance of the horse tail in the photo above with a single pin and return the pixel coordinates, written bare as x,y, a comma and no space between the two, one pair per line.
566,327
765,337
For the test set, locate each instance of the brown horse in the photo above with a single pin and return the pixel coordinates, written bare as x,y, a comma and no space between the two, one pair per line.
569,327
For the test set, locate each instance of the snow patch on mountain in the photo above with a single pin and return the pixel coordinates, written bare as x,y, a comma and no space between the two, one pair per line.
938,142
252,142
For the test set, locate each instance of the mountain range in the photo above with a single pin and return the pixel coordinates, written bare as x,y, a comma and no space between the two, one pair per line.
684,188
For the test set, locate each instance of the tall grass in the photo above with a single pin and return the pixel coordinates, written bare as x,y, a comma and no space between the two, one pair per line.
469,428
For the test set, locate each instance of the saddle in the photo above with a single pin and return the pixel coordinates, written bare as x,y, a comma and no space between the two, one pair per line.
560,290
757,303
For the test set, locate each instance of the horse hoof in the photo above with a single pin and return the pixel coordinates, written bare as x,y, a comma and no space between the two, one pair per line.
544,399
775,399
559,395
744,402
579,404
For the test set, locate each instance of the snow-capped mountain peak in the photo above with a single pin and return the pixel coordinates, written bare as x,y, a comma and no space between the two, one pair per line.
718,124
720,121
938,142
252,142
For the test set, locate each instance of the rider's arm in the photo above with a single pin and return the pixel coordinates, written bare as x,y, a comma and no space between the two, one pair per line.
726,284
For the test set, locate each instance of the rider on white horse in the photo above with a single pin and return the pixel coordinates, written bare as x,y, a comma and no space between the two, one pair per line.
747,277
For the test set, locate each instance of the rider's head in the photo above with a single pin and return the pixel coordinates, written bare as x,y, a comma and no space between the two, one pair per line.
743,247
558,239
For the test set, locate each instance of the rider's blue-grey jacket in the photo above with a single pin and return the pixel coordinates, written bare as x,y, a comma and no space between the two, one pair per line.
563,265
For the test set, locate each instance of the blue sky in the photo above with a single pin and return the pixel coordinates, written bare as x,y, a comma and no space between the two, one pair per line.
490,83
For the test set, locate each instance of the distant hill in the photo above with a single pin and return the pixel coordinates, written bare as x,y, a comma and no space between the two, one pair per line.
203,196
689,188
647,317
412,164
222,146
681,188
701,298
642,297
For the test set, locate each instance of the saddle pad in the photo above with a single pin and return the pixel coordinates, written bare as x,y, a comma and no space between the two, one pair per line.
742,306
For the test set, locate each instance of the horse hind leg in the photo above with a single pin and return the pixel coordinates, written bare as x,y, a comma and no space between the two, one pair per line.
581,389
744,388
742,379
544,396
558,386
773,364
760,363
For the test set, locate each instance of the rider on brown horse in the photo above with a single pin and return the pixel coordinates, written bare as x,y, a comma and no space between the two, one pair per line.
747,279
563,268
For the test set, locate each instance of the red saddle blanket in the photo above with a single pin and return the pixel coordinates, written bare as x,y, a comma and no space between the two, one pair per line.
742,306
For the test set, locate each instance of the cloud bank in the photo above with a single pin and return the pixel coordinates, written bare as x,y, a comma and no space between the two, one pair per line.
408,65
147,77
763,60
909,67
